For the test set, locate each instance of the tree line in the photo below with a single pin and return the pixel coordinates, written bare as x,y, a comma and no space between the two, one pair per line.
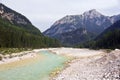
12,36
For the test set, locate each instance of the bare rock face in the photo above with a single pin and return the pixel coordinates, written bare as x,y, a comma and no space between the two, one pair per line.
12,16
1,10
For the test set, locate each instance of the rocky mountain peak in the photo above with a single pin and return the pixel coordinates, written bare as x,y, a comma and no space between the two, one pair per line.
67,28
92,13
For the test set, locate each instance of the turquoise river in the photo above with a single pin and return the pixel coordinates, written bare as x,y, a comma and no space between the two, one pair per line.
36,70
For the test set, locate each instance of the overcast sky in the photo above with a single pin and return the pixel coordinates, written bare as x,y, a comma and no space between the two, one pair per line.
43,13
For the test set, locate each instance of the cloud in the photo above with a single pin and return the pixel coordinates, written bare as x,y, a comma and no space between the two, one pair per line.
43,13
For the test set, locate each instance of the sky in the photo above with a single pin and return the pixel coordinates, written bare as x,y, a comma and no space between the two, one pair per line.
43,13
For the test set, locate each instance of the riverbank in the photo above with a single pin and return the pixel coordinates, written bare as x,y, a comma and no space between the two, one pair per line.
17,56
99,66
55,64
76,52
37,67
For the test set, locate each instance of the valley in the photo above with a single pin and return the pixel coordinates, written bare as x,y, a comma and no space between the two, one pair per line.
85,46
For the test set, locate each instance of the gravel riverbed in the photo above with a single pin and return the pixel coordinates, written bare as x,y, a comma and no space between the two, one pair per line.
102,66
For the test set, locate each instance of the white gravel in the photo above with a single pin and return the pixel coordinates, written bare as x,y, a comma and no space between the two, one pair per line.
98,67
74,52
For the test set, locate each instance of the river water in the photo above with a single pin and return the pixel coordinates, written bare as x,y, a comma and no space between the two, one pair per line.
36,70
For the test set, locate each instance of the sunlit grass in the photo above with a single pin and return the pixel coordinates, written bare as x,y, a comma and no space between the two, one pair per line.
5,51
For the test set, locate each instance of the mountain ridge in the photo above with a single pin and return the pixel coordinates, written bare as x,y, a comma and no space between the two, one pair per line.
17,19
93,21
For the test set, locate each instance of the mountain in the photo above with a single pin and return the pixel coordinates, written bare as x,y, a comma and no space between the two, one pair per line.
75,37
91,21
110,38
17,19
16,31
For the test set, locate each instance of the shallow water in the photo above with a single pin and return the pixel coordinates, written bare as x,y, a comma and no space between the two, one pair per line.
37,70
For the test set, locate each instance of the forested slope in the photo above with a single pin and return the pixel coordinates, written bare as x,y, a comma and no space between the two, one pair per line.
109,39
16,31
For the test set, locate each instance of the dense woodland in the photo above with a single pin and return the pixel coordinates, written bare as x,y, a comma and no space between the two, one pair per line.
12,36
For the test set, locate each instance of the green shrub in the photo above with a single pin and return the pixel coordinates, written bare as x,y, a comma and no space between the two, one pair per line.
0,57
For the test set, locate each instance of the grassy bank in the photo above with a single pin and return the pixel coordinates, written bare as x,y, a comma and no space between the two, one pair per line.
10,51
5,51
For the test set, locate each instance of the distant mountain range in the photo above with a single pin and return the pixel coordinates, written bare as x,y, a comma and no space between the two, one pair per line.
17,31
75,29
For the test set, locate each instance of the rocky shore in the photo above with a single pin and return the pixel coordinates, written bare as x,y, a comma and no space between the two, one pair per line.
104,66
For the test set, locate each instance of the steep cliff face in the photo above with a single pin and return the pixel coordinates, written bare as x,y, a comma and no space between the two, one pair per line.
92,21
